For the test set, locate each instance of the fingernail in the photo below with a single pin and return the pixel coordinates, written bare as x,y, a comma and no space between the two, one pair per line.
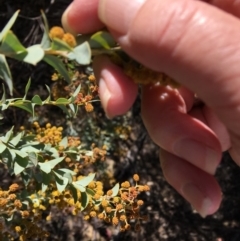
197,199
104,96
198,154
118,15
65,22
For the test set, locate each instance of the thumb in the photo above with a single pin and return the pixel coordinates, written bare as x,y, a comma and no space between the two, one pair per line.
191,41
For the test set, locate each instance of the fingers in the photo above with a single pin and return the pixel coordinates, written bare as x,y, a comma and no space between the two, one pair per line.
188,40
165,117
196,186
213,122
231,6
81,17
117,91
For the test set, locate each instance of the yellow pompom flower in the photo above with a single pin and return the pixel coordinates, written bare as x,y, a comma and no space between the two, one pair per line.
136,177
56,32
89,107
115,220
69,39
14,187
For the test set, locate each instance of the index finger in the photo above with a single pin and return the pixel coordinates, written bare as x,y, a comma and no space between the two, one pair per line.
81,17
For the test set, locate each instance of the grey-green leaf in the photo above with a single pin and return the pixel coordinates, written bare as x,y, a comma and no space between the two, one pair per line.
15,140
20,153
61,182
82,54
86,180
64,142
35,53
48,166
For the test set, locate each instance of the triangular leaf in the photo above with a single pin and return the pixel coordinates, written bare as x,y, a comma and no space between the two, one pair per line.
85,180
48,166
7,136
9,25
35,53
82,54
5,73
12,47
15,140
61,181
64,142
36,100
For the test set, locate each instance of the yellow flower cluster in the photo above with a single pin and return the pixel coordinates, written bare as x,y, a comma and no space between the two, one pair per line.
58,32
65,200
89,89
73,141
119,209
143,75
48,134
84,100
86,159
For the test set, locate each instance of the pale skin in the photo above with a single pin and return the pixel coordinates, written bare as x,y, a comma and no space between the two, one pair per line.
198,44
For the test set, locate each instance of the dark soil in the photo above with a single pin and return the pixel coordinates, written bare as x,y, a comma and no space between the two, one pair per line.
170,217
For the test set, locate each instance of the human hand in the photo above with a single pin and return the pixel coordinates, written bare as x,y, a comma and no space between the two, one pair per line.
196,43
